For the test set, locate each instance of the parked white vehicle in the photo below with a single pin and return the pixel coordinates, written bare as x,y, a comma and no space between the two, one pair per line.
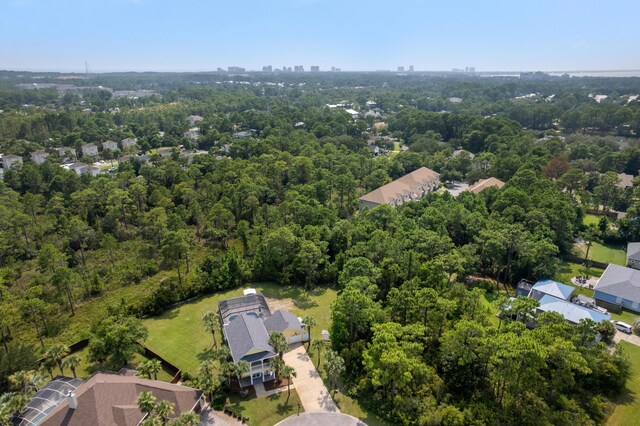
623,326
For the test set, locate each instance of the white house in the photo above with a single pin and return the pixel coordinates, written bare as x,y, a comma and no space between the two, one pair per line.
194,119
129,143
110,145
90,150
9,161
39,156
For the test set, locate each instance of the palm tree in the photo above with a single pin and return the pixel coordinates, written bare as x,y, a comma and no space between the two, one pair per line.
163,409
318,345
222,354
212,324
277,365
18,380
146,402
309,322
18,402
334,366
188,419
56,353
278,343
288,373
155,366
72,361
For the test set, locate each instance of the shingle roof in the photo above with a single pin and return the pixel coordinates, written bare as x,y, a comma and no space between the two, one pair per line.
570,311
246,333
110,399
620,281
399,187
484,184
553,288
633,251
625,180
282,320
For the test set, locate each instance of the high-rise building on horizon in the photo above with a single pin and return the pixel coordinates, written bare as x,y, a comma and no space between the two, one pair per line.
298,68
400,69
411,68
267,68
235,69
315,68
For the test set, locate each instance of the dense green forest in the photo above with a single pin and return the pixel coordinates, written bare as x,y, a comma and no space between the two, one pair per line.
281,206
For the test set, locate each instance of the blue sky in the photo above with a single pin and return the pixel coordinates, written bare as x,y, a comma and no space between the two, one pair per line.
192,35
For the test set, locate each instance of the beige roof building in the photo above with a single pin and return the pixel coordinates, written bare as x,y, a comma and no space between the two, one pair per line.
412,186
626,180
111,399
483,184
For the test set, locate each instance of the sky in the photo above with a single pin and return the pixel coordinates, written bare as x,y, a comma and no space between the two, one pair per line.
355,35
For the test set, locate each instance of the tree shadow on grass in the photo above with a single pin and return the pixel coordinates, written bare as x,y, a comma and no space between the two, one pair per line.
285,408
205,354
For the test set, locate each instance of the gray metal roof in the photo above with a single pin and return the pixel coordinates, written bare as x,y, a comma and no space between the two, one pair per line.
633,251
245,333
281,320
620,281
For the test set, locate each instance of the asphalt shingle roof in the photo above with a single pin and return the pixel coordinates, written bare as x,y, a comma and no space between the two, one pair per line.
620,281
245,333
281,320
398,188
633,251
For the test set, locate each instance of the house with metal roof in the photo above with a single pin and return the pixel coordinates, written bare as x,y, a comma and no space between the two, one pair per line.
617,288
572,312
552,288
409,187
633,255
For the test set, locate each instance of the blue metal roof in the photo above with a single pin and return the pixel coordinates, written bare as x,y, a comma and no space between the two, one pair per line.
570,311
554,288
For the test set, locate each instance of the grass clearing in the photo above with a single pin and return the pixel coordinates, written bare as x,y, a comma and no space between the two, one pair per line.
606,253
267,410
569,270
627,410
591,219
179,336
86,368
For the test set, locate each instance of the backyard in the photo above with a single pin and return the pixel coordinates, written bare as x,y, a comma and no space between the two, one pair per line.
178,334
605,253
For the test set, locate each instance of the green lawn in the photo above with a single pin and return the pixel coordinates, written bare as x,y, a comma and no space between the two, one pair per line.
591,219
606,253
569,270
267,410
86,369
627,410
179,337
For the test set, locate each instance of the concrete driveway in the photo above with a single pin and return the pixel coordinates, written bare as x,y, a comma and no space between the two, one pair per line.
313,394
631,338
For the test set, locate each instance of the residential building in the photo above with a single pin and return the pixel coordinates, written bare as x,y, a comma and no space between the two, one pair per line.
315,68
267,68
10,161
352,112
89,150
110,145
129,143
409,187
246,325
103,399
242,135
572,312
483,184
194,119
633,255
192,134
411,69
617,288
235,69
400,69
66,153
625,180
39,156
298,68
547,287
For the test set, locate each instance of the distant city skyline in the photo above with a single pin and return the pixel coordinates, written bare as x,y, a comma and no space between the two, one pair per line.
190,35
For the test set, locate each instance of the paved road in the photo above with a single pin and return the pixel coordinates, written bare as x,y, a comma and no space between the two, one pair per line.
631,338
310,387
209,417
321,419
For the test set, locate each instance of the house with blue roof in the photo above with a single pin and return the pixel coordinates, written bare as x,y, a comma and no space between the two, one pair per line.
570,311
552,288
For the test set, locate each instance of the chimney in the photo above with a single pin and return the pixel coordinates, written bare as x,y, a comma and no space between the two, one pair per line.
73,401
